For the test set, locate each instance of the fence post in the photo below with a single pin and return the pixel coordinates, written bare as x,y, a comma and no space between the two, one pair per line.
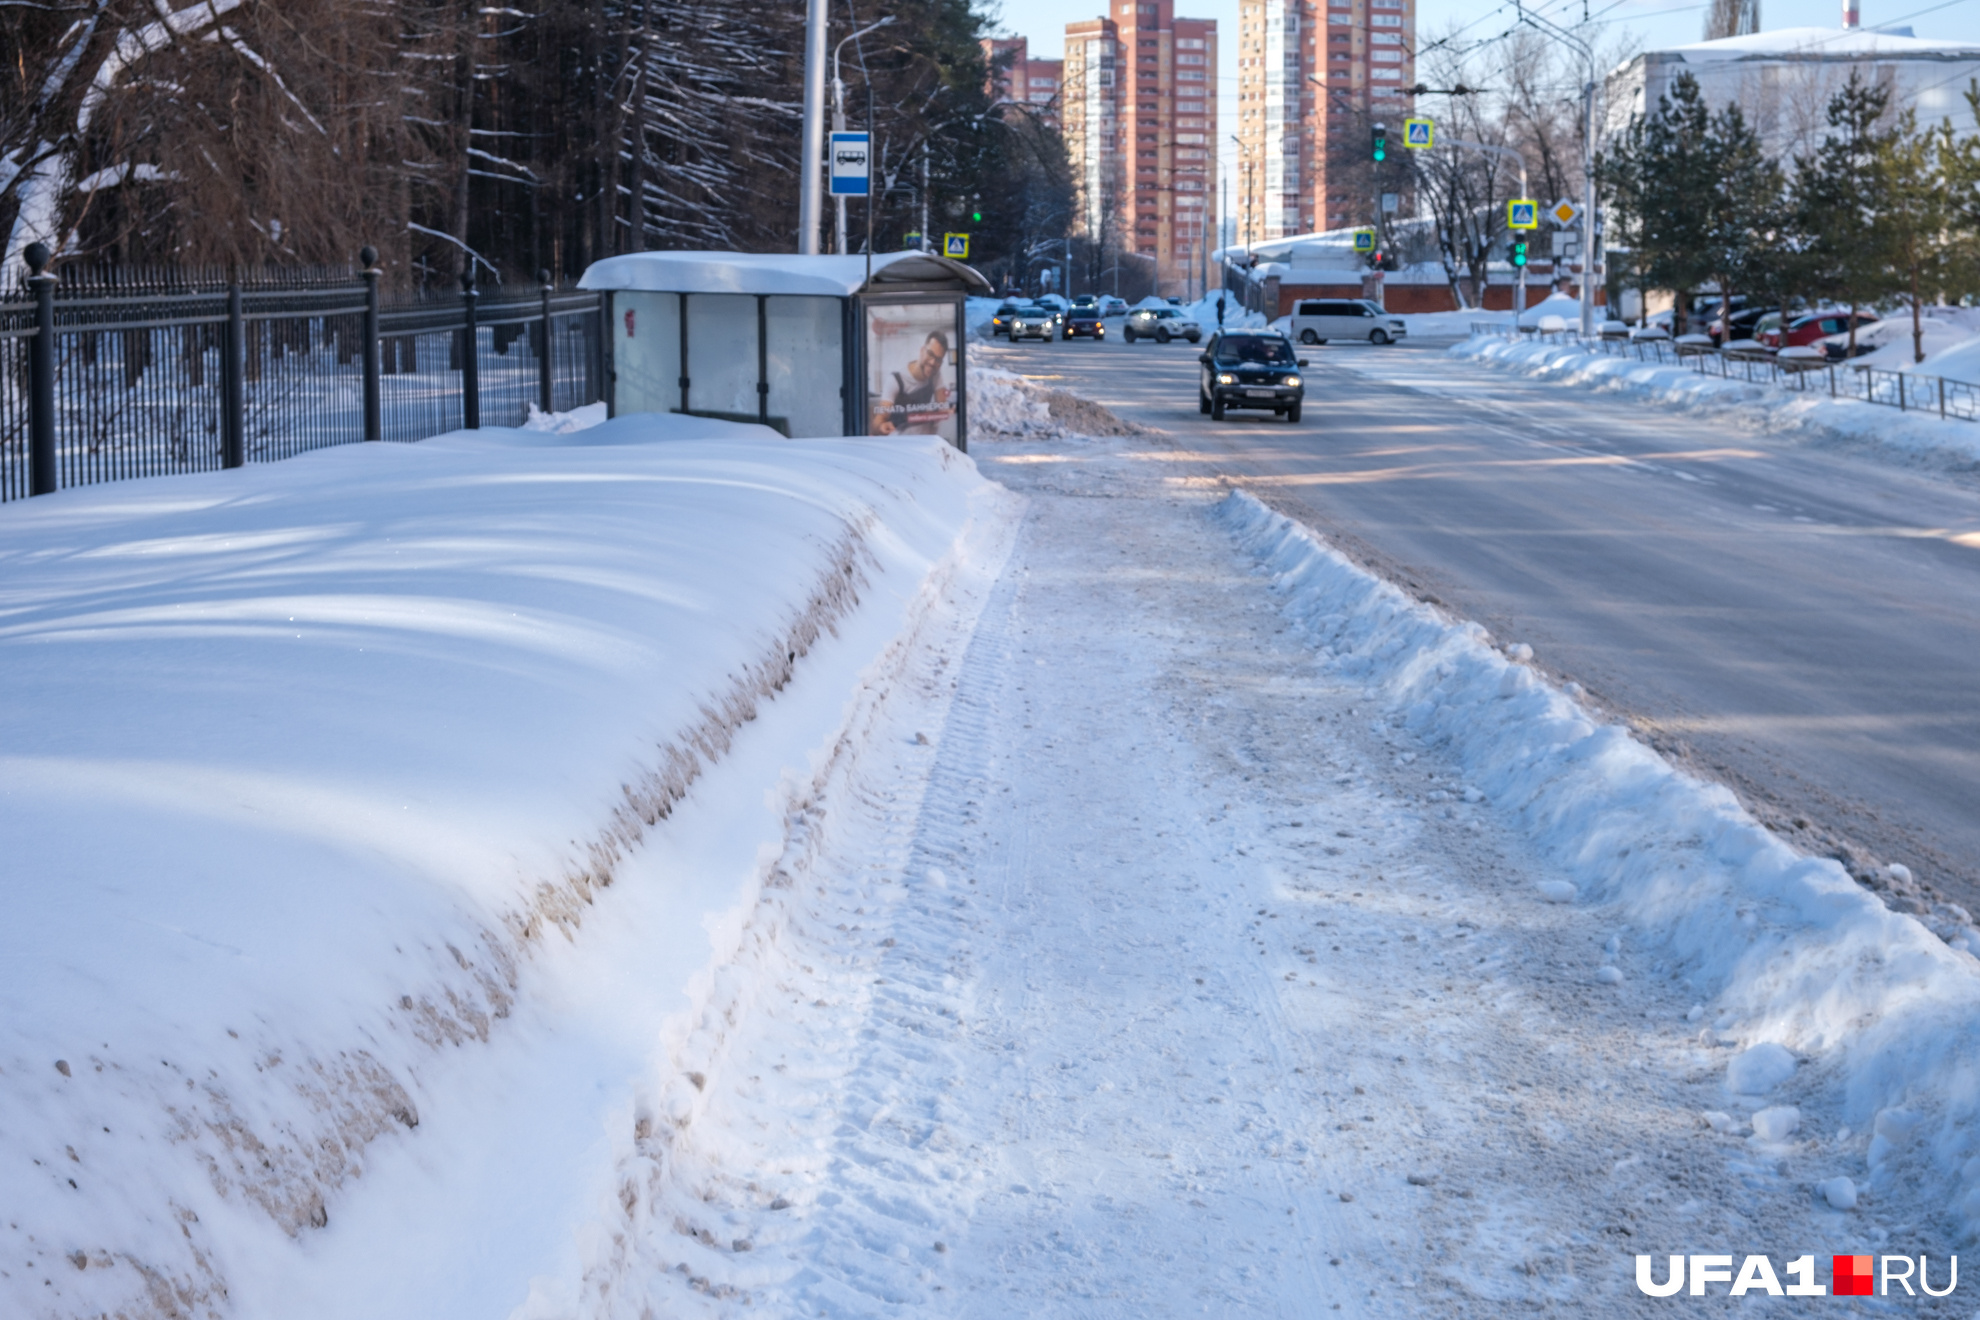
1900,376
471,357
374,411
544,364
233,384
1942,398
42,478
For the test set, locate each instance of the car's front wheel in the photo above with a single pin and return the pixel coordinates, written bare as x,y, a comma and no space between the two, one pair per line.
1292,412
1217,409
1202,401
1378,337
1129,335
1308,337
1161,335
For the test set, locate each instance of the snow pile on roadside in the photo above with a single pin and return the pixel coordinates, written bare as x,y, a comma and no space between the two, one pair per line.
1204,312
341,940
1751,405
1437,324
1790,958
1003,405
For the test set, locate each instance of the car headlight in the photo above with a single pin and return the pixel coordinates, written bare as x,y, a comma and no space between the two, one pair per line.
1291,380
1226,378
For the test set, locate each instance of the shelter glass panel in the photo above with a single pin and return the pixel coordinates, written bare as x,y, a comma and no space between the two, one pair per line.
806,357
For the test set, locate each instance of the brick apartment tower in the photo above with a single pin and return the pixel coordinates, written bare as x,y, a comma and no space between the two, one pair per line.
1033,82
1140,118
1303,147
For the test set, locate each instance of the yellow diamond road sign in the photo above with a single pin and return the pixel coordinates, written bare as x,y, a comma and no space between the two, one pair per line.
1522,213
1364,240
955,245
1419,134
1565,213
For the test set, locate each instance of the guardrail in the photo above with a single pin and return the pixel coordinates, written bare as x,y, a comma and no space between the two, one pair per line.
1906,391
109,375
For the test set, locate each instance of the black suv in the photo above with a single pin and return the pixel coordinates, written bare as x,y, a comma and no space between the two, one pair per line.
1250,369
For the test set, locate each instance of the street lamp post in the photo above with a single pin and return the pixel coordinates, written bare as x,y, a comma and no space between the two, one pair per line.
839,124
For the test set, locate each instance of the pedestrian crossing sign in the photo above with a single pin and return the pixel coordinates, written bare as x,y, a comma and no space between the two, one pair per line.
1522,213
955,245
1419,134
1364,240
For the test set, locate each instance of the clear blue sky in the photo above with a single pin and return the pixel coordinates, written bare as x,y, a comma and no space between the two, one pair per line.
1657,23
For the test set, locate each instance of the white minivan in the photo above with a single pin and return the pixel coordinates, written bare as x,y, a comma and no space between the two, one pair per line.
1316,320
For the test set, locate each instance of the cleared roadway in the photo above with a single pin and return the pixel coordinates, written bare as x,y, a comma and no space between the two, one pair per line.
1800,623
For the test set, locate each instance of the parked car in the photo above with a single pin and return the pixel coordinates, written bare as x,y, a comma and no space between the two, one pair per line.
1084,321
1316,320
1806,329
1175,302
1034,321
1744,320
1160,324
1250,369
1000,323
1112,306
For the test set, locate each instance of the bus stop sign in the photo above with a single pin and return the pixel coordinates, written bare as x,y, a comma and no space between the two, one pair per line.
849,165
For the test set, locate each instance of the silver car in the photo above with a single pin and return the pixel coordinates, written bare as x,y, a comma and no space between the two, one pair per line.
1160,324
1034,321
1316,320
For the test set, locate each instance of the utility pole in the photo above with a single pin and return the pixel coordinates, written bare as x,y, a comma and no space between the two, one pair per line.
811,153
925,246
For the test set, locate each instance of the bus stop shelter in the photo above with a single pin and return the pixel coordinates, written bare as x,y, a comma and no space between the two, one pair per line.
811,346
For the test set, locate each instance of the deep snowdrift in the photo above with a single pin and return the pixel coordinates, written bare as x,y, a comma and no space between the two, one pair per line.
1788,956
329,791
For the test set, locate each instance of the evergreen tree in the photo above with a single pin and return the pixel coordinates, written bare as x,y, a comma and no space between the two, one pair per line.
1740,218
1834,203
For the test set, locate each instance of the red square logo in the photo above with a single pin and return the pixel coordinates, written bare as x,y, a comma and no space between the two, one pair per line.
1850,1276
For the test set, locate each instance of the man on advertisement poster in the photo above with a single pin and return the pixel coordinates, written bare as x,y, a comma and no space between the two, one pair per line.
912,370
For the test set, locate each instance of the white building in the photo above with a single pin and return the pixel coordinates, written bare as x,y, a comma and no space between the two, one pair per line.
1783,80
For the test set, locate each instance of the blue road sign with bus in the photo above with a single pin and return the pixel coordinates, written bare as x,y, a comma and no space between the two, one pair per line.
849,157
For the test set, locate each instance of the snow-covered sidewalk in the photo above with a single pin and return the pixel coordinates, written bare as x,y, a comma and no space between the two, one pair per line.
1154,962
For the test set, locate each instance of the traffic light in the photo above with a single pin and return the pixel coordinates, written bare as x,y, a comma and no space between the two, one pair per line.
1381,142
976,217
1519,252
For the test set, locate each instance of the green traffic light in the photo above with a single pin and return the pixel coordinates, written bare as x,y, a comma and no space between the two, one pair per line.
976,217
1519,253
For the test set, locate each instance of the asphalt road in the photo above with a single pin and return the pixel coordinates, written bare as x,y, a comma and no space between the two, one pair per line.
1799,623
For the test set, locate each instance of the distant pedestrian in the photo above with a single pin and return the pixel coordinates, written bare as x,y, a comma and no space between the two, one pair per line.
1220,311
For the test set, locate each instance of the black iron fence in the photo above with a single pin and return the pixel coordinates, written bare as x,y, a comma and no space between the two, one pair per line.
1907,391
109,375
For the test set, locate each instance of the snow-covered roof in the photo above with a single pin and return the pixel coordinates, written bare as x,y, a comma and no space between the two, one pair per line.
1814,43
775,272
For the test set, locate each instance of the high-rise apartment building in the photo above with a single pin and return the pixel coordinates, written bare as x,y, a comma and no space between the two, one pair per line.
1139,107
1313,77
1015,76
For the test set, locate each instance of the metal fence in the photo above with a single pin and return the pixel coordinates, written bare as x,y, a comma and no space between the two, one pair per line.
116,374
1907,391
